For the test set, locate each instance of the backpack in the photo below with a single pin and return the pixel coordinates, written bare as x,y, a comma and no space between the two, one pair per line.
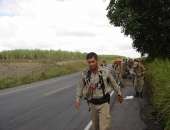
86,82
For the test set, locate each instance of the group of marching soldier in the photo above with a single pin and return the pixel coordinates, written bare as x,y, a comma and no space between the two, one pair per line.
132,69
99,80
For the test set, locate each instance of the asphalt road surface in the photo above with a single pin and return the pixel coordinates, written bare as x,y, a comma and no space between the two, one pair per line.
49,105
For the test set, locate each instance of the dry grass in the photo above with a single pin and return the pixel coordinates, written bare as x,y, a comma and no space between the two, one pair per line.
25,66
15,74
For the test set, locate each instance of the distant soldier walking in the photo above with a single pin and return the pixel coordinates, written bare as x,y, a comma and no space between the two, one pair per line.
124,68
95,86
130,69
139,78
117,68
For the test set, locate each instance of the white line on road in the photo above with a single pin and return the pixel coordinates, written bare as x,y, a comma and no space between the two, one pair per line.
111,94
15,90
34,85
90,123
128,97
57,90
88,126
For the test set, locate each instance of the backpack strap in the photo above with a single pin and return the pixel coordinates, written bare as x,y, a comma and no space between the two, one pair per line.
86,77
101,81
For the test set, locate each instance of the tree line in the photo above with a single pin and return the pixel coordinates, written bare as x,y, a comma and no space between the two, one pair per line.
146,21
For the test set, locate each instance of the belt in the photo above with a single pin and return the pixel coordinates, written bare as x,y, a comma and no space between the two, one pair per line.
99,101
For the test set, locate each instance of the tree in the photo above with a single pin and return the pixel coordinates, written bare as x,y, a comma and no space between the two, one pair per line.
146,21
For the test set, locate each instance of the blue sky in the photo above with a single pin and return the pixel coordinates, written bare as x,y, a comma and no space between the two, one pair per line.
73,25
4,13
7,7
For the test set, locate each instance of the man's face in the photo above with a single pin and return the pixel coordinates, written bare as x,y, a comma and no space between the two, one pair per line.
92,62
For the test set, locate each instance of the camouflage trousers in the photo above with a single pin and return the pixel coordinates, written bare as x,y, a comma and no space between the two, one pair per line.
101,117
139,84
118,78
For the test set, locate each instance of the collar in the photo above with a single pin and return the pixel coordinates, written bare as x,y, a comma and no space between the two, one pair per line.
99,69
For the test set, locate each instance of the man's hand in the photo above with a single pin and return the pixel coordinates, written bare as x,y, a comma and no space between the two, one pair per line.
77,104
120,98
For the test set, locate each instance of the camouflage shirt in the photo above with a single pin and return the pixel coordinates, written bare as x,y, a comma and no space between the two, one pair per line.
139,70
109,83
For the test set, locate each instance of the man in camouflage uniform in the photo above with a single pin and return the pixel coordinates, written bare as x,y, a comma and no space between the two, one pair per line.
139,78
130,69
117,67
95,86
124,68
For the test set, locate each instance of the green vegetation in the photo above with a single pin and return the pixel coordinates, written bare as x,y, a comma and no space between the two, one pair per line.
109,58
19,67
40,55
158,81
46,56
53,70
147,23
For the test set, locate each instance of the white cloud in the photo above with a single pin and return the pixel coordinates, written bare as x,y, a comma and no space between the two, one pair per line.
74,25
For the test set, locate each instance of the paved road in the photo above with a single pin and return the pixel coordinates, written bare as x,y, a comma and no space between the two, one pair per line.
127,116
49,105
46,105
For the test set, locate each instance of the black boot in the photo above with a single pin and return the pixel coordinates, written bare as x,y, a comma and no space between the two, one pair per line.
141,94
137,94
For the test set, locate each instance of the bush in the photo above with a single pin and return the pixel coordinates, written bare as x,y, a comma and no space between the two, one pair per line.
158,79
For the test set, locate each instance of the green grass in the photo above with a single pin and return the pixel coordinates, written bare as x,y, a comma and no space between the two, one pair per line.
46,55
158,81
109,58
52,71
52,64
